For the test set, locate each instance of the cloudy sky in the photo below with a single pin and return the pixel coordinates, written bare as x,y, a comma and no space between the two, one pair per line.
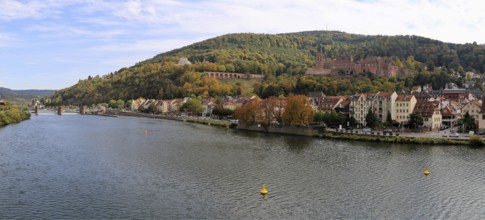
51,44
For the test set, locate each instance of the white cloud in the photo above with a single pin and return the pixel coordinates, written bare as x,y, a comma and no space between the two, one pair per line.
116,33
53,30
12,9
4,39
149,46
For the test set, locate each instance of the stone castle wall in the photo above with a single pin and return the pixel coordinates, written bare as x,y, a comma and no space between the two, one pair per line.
381,66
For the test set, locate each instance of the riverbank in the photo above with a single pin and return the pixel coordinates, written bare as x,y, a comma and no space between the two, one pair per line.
211,122
12,114
405,138
395,139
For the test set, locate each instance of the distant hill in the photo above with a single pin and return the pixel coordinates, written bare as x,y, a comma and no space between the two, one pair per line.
281,58
23,96
27,92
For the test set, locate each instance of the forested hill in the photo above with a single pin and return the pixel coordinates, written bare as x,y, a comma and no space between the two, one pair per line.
297,49
279,57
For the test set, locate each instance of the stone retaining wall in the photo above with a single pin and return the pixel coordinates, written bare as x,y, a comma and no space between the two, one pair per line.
304,131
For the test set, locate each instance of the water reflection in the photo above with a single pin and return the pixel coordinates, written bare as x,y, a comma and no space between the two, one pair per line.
296,143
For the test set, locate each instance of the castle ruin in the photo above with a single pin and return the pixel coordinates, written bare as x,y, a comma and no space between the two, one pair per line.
380,66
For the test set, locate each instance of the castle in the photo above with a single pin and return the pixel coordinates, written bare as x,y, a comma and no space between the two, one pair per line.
381,66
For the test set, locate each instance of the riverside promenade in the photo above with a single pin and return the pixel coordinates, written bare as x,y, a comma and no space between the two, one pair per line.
441,137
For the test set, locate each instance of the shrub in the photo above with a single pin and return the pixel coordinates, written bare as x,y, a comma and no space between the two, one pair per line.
475,141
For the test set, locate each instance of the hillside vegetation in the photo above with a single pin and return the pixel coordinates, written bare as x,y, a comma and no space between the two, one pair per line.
283,60
12,114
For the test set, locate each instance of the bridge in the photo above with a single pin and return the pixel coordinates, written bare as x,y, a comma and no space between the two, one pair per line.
61,110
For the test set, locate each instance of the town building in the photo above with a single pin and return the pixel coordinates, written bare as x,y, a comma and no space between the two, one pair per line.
449,116
473,108
481,119
315,99
330,103
384,103
431,114
359,106
404,107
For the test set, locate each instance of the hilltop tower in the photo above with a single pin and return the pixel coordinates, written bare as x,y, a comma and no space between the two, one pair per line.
319,68
320,60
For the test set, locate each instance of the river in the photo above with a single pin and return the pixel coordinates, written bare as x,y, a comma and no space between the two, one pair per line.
73,166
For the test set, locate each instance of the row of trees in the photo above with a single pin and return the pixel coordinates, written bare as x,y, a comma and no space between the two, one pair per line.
297,111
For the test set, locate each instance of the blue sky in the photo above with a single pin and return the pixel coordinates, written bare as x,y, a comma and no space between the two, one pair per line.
51,44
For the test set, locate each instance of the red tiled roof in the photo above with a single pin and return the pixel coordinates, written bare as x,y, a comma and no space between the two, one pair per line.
404,97
447,111
426,109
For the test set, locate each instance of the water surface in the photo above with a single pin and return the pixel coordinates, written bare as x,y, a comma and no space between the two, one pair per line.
74,166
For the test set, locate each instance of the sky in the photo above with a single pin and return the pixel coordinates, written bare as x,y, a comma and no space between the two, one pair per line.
52,44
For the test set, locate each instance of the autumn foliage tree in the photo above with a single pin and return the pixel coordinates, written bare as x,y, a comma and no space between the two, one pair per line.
298,111
271,111
249,113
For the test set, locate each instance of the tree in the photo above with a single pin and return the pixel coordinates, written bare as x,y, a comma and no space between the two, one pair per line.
333,118
141,108
298,111
152,108
389,119
222,112
352,122
371,119
318,116
128,104
193,106
112,104
330,118
468,121
120,103
415,120
248,113
270,111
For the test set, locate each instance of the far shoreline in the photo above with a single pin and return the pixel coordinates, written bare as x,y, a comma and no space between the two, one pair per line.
403,138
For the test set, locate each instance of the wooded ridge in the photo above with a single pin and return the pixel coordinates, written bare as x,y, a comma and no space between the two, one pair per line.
283,60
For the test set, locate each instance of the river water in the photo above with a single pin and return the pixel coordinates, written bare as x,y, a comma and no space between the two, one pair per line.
72,166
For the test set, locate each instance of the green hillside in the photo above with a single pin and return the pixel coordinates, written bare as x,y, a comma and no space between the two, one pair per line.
283,59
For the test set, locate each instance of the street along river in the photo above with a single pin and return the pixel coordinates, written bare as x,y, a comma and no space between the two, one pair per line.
73,166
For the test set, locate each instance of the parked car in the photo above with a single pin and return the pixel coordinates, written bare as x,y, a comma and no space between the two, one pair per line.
454,135
443,127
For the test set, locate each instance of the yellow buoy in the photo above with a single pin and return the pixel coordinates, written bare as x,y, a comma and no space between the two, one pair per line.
264,191
426,172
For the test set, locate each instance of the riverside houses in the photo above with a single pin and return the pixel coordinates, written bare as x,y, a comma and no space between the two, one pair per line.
384,103
359,107
473,108
430,111
380,103
404,107
481,119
